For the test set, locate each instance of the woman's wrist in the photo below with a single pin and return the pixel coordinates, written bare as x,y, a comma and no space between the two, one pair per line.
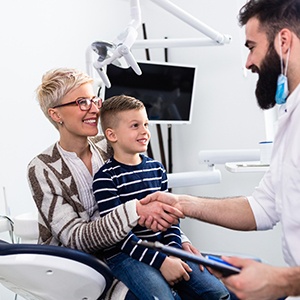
138,208
131,210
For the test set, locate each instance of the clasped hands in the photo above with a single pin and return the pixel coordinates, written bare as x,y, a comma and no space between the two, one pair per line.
158,211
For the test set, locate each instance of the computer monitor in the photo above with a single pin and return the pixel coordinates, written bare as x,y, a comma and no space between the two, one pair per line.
166,89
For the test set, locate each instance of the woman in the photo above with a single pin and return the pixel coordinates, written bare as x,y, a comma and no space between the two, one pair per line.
61,177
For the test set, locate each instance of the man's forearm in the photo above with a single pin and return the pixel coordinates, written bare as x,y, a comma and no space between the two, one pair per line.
292,281
234,213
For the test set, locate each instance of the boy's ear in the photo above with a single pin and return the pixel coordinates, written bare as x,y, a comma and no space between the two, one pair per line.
110,135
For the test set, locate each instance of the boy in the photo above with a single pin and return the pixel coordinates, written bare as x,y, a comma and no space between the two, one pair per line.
131,175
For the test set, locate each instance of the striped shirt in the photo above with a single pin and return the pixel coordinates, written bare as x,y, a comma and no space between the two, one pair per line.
116,183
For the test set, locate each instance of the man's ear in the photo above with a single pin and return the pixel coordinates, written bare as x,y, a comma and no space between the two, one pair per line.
285,40
54,115
110,135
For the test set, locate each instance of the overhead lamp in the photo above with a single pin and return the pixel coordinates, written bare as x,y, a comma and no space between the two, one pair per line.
103,49
120,48
108,53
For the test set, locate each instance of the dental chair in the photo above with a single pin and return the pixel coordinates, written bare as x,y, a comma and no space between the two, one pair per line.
45,272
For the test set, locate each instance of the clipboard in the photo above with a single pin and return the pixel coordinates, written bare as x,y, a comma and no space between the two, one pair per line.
211,261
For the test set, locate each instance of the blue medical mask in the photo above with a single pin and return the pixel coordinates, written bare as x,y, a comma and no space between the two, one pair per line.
282,90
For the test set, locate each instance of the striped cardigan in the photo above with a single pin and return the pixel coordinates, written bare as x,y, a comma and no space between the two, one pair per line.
63,220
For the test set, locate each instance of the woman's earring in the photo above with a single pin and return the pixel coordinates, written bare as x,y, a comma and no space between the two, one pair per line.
60,122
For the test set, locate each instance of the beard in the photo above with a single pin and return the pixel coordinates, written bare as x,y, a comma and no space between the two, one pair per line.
267,82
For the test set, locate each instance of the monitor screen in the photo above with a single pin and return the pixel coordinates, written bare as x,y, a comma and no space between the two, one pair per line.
166,89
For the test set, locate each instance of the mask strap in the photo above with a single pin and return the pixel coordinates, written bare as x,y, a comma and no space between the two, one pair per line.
287,61
281,60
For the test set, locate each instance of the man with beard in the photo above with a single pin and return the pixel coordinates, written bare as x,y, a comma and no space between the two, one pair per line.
267,82
273,38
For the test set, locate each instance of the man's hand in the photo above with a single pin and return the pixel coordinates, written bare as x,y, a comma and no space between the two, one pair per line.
167,198
255,281
157,216
174,270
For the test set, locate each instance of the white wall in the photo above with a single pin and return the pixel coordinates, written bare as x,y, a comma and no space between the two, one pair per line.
39,35
35,37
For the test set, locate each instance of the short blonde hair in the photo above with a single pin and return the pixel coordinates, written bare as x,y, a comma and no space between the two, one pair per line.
56,84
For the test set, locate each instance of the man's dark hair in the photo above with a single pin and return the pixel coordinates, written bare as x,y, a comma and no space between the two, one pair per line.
273,15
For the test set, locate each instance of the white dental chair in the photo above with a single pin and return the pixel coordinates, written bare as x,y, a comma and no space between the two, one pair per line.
44,272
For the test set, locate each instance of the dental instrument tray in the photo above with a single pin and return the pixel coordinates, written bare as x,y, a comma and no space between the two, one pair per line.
211,261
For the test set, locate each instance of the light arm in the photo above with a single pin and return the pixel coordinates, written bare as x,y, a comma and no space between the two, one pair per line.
192,21
121,46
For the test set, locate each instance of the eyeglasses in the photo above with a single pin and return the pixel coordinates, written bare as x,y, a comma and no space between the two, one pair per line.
83,103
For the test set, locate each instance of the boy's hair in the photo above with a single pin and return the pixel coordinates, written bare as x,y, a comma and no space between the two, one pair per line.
112,106
273,15
56,84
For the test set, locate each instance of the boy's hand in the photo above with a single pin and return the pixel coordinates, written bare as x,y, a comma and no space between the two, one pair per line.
174,270
190,248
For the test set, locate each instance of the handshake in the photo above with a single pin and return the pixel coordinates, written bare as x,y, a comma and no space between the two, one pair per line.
159,211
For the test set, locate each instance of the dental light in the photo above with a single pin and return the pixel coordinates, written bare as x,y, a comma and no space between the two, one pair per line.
118,52
113,52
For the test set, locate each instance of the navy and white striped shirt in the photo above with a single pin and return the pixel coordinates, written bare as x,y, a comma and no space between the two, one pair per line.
116,183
